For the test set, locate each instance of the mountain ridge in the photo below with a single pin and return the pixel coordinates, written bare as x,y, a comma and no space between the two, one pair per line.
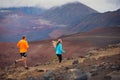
68,13
98,20
24,21
14,24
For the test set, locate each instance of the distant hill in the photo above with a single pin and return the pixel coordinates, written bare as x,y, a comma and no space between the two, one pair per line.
102,31
25,10
15,22
39,24
107,31
68,14
98,20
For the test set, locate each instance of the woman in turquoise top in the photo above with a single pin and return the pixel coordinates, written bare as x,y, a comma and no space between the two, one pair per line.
59,50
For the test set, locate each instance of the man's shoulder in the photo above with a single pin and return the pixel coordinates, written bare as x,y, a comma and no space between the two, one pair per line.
22,40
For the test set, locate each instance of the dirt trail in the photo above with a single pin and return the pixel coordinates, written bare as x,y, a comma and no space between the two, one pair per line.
18,72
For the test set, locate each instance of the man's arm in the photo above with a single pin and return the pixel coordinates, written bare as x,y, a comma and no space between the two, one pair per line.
27,46
18,44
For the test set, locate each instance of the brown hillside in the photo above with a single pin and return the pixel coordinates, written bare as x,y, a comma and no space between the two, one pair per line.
43,51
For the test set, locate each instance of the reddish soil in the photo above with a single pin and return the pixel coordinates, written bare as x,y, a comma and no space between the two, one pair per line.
43,51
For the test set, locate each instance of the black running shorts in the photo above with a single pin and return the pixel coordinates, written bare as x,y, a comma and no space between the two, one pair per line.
23,54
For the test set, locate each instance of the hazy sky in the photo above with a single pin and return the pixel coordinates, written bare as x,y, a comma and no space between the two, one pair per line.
99,5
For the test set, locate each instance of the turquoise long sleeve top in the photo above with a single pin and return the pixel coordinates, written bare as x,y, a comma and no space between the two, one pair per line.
59,49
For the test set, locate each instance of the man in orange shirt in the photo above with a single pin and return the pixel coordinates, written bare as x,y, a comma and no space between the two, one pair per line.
23,46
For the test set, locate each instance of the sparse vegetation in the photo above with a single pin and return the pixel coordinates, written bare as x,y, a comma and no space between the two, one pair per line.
101,65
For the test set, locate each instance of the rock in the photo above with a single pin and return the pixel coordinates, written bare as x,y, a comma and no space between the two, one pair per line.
68,59
115,67
81,56
76,74
101,67
2,75
107,77
31,78
40,70
118,68
115,75
94,74
66,68
94,68
75,62
38,64
50,75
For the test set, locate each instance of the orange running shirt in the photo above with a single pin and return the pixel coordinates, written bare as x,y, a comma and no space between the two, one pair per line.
23,45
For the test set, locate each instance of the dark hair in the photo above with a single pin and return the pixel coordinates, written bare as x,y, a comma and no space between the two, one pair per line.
58,43
23,37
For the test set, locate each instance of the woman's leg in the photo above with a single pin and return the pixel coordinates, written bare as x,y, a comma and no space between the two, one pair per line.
59,58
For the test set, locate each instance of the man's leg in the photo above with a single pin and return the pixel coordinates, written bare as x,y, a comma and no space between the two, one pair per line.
19,60
25,61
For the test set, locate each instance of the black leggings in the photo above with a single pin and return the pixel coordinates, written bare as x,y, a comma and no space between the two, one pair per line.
59,57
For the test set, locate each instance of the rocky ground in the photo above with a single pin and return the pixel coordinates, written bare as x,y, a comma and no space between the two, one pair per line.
98,64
